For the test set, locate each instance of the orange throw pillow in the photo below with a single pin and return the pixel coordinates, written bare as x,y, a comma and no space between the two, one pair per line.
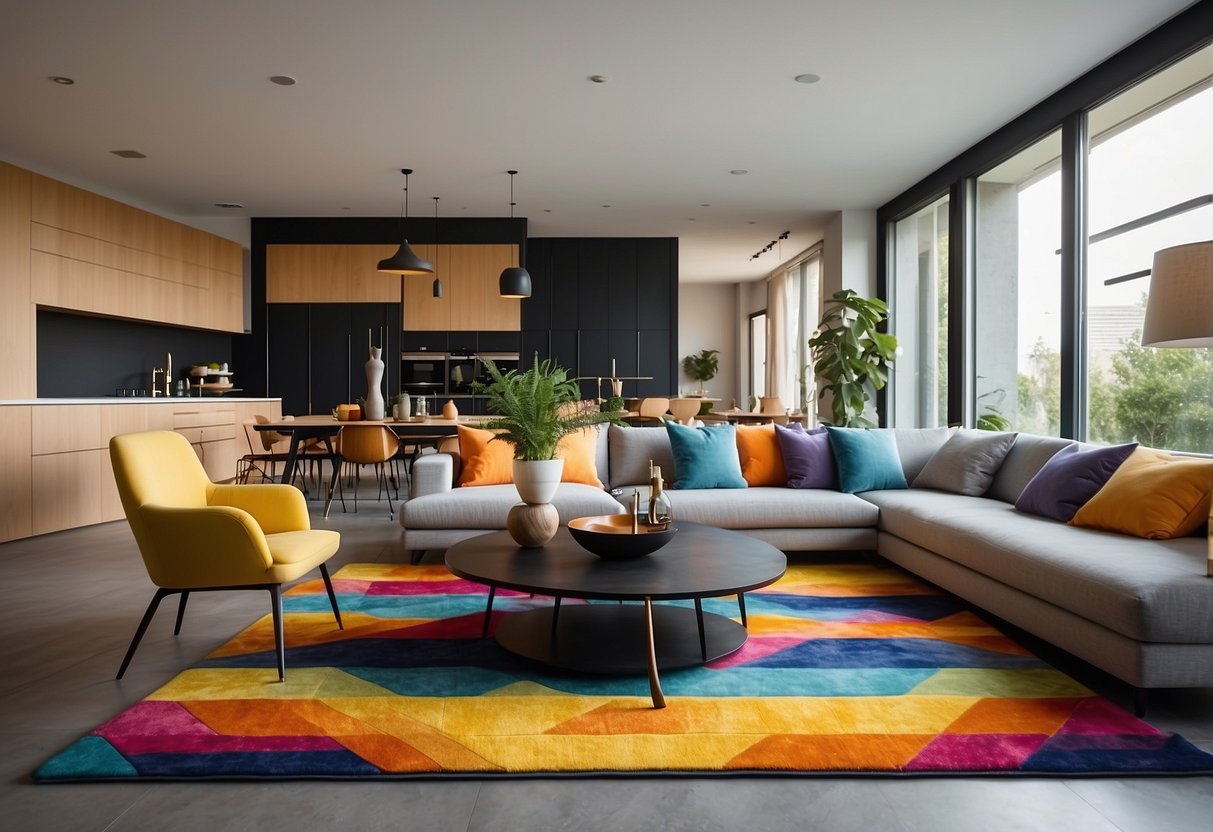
1153,495
484,462
761,459
579,450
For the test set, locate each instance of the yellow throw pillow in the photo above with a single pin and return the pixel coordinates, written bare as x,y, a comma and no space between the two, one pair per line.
761,459
1153,495
579,450
484,462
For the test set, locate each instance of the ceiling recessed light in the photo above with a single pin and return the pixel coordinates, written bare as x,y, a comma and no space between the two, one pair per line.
705,205
547,210
606,206
283,80
129,154
739,172
753,222
807,78
228,205
690,219
598,79
62,80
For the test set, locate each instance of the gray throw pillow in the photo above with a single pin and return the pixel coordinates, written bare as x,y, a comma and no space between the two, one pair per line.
967,462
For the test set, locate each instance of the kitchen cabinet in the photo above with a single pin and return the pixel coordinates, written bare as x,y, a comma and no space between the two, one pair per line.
16,495
329,274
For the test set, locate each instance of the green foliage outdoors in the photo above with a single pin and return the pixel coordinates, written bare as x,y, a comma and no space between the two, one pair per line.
534,408
851,354
702,367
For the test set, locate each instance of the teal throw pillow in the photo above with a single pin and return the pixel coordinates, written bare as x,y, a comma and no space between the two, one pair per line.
705,457
867,459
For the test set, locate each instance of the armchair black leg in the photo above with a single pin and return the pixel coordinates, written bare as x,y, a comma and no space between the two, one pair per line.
279,641
1141,700
328,585
147,619
185,596
416,556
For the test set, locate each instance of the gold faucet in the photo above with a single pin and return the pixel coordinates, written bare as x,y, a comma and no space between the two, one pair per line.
155,389
168,374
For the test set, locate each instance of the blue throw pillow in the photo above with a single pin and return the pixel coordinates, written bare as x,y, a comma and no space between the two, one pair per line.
866,459
705,457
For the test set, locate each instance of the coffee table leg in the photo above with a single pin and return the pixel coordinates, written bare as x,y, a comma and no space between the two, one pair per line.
488,611
654,682
555,616
703,641
741,604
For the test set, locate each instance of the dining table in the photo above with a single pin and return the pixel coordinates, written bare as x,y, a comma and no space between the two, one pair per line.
325,427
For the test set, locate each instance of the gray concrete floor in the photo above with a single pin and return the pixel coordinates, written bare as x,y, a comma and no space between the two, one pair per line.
69,603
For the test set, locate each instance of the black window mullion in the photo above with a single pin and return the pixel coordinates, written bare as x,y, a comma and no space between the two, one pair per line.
961,403
1074,275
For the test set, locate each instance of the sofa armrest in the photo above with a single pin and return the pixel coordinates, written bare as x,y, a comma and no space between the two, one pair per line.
432,474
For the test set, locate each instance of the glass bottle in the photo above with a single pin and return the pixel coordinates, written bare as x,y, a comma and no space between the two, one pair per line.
660,513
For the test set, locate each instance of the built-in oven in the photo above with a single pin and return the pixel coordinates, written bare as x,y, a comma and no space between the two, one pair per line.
460,373
504,361
423,373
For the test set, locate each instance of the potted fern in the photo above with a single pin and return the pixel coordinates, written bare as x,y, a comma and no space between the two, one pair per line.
702,367
851,353
532,410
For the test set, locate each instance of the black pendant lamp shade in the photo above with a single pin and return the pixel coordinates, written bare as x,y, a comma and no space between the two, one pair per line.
515,281
437,280
405,260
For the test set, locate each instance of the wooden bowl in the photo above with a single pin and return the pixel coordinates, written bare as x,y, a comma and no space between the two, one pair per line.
610,536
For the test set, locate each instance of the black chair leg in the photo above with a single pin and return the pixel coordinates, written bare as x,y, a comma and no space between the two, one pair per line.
328,585
185,596
416,556
160,595
279,640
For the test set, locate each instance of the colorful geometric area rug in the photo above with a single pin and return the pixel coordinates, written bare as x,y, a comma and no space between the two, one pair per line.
849,668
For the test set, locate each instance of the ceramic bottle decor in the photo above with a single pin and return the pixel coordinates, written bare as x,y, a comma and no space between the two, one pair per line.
449,411
374,385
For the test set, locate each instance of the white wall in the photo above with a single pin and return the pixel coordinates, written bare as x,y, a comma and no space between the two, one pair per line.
848,256
707,319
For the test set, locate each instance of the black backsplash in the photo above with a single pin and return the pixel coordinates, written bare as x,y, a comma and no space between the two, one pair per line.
85,356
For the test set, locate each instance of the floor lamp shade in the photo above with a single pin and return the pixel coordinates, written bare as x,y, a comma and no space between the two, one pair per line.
1179,311
515,282
406,261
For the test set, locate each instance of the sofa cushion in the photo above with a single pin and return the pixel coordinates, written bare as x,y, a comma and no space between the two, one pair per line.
705,457
772,508
1149,590
1070,478
761,460
866,459
488,462
1153,494
486,507
1027,456
807,457
967,462
916,446
632,448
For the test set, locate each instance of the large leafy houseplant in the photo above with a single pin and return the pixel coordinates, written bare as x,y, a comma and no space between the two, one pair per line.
702,366
533,409
850,353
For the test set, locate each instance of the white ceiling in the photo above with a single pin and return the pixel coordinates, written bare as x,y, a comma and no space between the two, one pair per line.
463,90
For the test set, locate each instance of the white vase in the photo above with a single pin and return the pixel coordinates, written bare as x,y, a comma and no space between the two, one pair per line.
536,480
374,383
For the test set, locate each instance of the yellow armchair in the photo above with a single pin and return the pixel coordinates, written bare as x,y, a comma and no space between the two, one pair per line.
195,535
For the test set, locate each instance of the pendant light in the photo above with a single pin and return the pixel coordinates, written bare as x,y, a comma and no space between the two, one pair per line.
437,280
405,261
515,281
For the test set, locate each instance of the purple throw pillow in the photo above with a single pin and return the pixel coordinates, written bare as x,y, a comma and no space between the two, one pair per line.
1069,479
807,457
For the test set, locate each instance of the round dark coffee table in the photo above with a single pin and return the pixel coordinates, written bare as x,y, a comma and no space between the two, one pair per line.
700,562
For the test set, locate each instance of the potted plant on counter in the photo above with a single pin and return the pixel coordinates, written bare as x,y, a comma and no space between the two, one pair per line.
702,367
851,353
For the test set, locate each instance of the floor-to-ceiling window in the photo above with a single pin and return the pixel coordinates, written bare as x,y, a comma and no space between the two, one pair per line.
758,357
793,310
1151,187
1055,219
919,316
1017,289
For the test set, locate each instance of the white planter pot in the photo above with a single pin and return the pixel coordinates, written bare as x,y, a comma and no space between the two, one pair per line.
536,480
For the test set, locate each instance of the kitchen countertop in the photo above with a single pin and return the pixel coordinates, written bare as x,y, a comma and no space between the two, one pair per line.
141,400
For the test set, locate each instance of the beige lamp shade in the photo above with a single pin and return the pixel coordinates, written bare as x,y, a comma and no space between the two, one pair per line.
1179,312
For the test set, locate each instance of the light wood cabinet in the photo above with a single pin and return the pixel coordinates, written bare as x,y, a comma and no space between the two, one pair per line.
66,490
347,274
16,498
17,311
92,254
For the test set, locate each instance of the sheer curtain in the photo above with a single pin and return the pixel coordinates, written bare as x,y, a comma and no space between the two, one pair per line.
793,309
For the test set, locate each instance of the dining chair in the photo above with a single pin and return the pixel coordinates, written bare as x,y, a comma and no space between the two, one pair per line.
199,536
651,409
367,445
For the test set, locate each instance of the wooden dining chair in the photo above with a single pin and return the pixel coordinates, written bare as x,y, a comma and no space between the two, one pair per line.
367,445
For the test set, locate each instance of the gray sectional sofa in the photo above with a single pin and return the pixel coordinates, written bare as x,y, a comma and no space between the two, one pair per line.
1141,610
